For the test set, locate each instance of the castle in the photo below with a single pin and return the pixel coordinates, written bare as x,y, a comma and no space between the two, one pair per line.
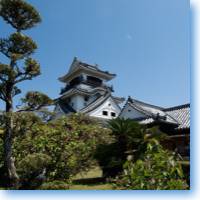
87,91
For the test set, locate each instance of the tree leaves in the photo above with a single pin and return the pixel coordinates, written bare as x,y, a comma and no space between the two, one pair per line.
17,46
19,14
34,101
32,68
71,150
5,71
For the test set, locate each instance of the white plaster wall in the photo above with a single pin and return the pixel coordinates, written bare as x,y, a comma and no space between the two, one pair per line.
84,76
84,86
131,113
109,106
78,102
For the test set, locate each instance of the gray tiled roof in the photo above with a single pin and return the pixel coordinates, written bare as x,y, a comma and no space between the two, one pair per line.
179,115
93,105
90,107
76,64
94,67
151,111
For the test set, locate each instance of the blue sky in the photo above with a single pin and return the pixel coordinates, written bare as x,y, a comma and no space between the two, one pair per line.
145,42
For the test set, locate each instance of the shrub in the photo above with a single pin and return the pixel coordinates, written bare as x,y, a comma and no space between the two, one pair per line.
110,158
69,142
158,169
127,134
32,170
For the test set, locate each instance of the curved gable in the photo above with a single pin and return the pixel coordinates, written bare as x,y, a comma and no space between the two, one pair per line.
109,106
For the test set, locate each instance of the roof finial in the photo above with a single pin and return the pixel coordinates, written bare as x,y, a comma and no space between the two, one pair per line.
130,99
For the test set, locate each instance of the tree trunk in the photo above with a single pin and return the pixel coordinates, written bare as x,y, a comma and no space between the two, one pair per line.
9,166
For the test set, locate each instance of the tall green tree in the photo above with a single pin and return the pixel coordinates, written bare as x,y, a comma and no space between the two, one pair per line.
17,48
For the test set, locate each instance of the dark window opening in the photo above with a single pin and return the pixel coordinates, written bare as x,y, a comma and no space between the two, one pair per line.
94,80
105,113
113,114
75,81
86,98
129,110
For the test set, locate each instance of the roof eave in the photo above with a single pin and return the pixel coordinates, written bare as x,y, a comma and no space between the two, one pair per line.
105,75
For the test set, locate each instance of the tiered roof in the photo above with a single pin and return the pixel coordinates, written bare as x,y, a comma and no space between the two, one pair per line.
78,66
91,106
86,92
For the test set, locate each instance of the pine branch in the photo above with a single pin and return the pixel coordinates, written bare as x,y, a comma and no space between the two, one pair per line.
23,78
34,101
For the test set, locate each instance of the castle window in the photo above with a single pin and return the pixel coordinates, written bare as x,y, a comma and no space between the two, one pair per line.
113,114
129,110
75,81
105,113
86,98
94,81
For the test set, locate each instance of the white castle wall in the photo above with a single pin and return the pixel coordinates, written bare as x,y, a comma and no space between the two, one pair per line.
131,113
77,102
109,106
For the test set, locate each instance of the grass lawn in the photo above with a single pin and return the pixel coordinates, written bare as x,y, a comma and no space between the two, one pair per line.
91,180
92,187
96,172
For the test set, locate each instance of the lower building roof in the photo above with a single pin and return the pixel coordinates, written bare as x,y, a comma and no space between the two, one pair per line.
179,115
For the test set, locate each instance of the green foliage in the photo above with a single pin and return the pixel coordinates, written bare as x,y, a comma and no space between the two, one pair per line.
110,158
121,126
157,169
69,142
133,136
23,123
34,101
31,169
17,46
130,138
127,136
19,14
32,67
5,70
33,164
54,185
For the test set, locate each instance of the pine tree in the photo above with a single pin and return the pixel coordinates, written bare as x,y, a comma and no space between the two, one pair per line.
17,48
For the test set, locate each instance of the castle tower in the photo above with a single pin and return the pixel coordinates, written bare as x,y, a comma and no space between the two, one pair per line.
86,91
